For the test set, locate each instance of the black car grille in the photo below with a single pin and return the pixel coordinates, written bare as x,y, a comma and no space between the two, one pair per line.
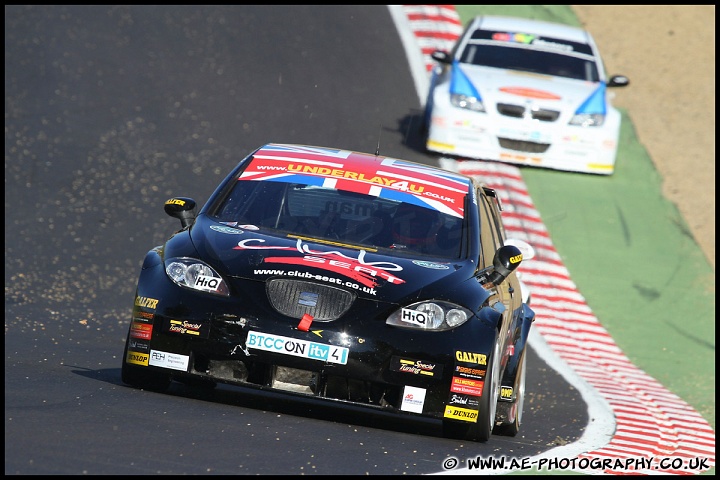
518,111
521,146
295,298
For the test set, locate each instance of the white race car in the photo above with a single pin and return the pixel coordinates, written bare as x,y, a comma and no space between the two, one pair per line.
524,92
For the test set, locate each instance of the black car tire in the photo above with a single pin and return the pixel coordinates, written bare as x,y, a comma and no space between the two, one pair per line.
141,377
481,431
512,429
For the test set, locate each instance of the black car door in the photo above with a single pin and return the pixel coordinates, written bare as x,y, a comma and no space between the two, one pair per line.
492,238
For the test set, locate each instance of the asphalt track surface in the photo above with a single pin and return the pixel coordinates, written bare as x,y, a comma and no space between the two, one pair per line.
109,111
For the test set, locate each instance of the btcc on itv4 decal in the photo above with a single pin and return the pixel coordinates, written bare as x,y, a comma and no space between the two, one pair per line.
524,92
341,277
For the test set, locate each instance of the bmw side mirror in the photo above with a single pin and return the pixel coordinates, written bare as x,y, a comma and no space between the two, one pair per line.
619,81
183,208
506,260
441,56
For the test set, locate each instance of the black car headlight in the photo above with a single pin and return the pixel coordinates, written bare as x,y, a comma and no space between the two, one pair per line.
430,315
195,274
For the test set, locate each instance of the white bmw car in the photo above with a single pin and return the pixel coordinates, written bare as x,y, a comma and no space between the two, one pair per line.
524,92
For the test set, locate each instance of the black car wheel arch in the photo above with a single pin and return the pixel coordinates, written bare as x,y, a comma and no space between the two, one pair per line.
482,429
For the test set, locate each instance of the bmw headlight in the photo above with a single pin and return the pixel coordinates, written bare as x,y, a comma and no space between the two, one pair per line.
195,274
588,119
468,102
430,315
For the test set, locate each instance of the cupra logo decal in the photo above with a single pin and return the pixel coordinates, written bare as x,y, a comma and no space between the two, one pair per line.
366,273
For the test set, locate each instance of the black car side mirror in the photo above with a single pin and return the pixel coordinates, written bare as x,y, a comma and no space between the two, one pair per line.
506,260
183,208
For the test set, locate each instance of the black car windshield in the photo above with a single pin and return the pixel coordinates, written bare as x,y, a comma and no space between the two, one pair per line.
526,59
343,217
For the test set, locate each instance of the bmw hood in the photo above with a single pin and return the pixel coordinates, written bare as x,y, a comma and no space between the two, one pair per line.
251,254
513,87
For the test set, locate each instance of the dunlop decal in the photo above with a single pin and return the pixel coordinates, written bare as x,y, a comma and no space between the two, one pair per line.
137,358
464,414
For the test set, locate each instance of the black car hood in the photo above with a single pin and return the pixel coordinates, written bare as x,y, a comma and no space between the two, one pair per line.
249,253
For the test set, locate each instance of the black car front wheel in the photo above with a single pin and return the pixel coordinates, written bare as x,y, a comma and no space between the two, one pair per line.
142,377
481,431
511,429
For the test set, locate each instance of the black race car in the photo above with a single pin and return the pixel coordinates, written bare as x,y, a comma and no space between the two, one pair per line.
342,276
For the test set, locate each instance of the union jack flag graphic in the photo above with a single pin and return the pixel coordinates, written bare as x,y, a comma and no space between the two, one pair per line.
364,173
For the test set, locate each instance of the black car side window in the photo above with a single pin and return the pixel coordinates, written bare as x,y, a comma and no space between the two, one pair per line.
489,237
